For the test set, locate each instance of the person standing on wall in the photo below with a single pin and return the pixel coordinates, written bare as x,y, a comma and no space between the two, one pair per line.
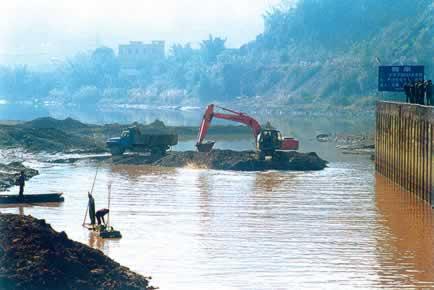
428,92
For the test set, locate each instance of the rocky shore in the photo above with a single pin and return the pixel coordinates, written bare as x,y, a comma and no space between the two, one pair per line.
34,256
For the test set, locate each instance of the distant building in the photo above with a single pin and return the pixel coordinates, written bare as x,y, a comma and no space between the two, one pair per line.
137,53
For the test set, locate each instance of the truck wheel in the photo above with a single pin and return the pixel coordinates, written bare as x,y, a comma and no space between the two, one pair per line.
117,150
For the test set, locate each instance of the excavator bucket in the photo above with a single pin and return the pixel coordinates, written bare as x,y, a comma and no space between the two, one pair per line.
205,147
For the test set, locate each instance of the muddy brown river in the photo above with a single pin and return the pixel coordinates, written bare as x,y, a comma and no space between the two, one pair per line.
343,227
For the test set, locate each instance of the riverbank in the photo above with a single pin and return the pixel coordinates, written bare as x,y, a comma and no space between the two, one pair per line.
34,256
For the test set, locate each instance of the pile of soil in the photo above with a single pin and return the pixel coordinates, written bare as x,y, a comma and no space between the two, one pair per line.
51,135
216,159
10,172
51,123
44,139
34,256
242,161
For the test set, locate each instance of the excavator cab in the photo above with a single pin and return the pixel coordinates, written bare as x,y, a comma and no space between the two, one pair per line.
269,140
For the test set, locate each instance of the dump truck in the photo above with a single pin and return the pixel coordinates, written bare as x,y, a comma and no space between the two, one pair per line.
132,139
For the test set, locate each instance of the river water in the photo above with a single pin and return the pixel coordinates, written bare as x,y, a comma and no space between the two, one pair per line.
343,227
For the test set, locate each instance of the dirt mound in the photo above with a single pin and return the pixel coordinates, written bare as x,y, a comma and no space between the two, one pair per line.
51,123
9,173
34,256
45,139
242,161
216,159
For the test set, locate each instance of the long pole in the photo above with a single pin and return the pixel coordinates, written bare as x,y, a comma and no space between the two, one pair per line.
109,186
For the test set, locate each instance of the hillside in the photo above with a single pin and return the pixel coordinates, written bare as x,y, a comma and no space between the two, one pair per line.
324,51
316,55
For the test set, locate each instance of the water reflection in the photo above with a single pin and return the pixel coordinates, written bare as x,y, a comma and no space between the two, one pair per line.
96,242
405,243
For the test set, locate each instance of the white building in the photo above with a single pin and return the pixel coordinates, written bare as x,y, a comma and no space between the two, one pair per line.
137,53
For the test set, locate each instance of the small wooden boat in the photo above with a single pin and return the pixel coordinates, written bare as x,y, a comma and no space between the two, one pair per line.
31,198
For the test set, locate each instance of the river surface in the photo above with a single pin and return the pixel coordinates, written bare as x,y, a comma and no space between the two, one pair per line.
343,227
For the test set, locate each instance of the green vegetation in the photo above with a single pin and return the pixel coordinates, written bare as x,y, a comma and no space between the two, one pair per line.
317,54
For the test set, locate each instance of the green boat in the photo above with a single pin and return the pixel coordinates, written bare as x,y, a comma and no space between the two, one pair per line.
31,198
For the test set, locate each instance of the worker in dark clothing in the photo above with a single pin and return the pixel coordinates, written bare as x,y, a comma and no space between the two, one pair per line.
428,92
407,91
412,93
420,93
91,206
417,92
100,215
21,181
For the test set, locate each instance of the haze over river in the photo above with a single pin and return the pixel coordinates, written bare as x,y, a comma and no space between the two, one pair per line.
343,227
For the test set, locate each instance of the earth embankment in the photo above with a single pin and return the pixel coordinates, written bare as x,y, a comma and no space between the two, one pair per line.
34,256
52,135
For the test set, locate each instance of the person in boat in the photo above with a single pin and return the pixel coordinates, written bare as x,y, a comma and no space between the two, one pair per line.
21,181
91,206
100,215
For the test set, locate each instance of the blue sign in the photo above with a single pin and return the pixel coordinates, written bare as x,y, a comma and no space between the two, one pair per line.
393,78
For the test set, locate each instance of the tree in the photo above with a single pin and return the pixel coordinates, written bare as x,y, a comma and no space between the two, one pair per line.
210,48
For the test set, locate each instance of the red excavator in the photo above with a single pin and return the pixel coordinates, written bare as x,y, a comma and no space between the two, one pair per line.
268,141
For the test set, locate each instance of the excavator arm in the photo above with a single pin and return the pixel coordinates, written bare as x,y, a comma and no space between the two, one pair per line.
233,116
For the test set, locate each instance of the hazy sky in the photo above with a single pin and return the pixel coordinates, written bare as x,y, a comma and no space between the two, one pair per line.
34,29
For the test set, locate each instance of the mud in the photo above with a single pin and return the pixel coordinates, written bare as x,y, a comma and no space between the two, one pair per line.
216,159
69,135
10,172
242,161
34,256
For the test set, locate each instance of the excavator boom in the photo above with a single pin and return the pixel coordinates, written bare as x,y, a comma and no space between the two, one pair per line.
234,116
263,138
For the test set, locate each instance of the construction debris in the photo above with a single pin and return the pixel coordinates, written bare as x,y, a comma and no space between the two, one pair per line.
34,256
